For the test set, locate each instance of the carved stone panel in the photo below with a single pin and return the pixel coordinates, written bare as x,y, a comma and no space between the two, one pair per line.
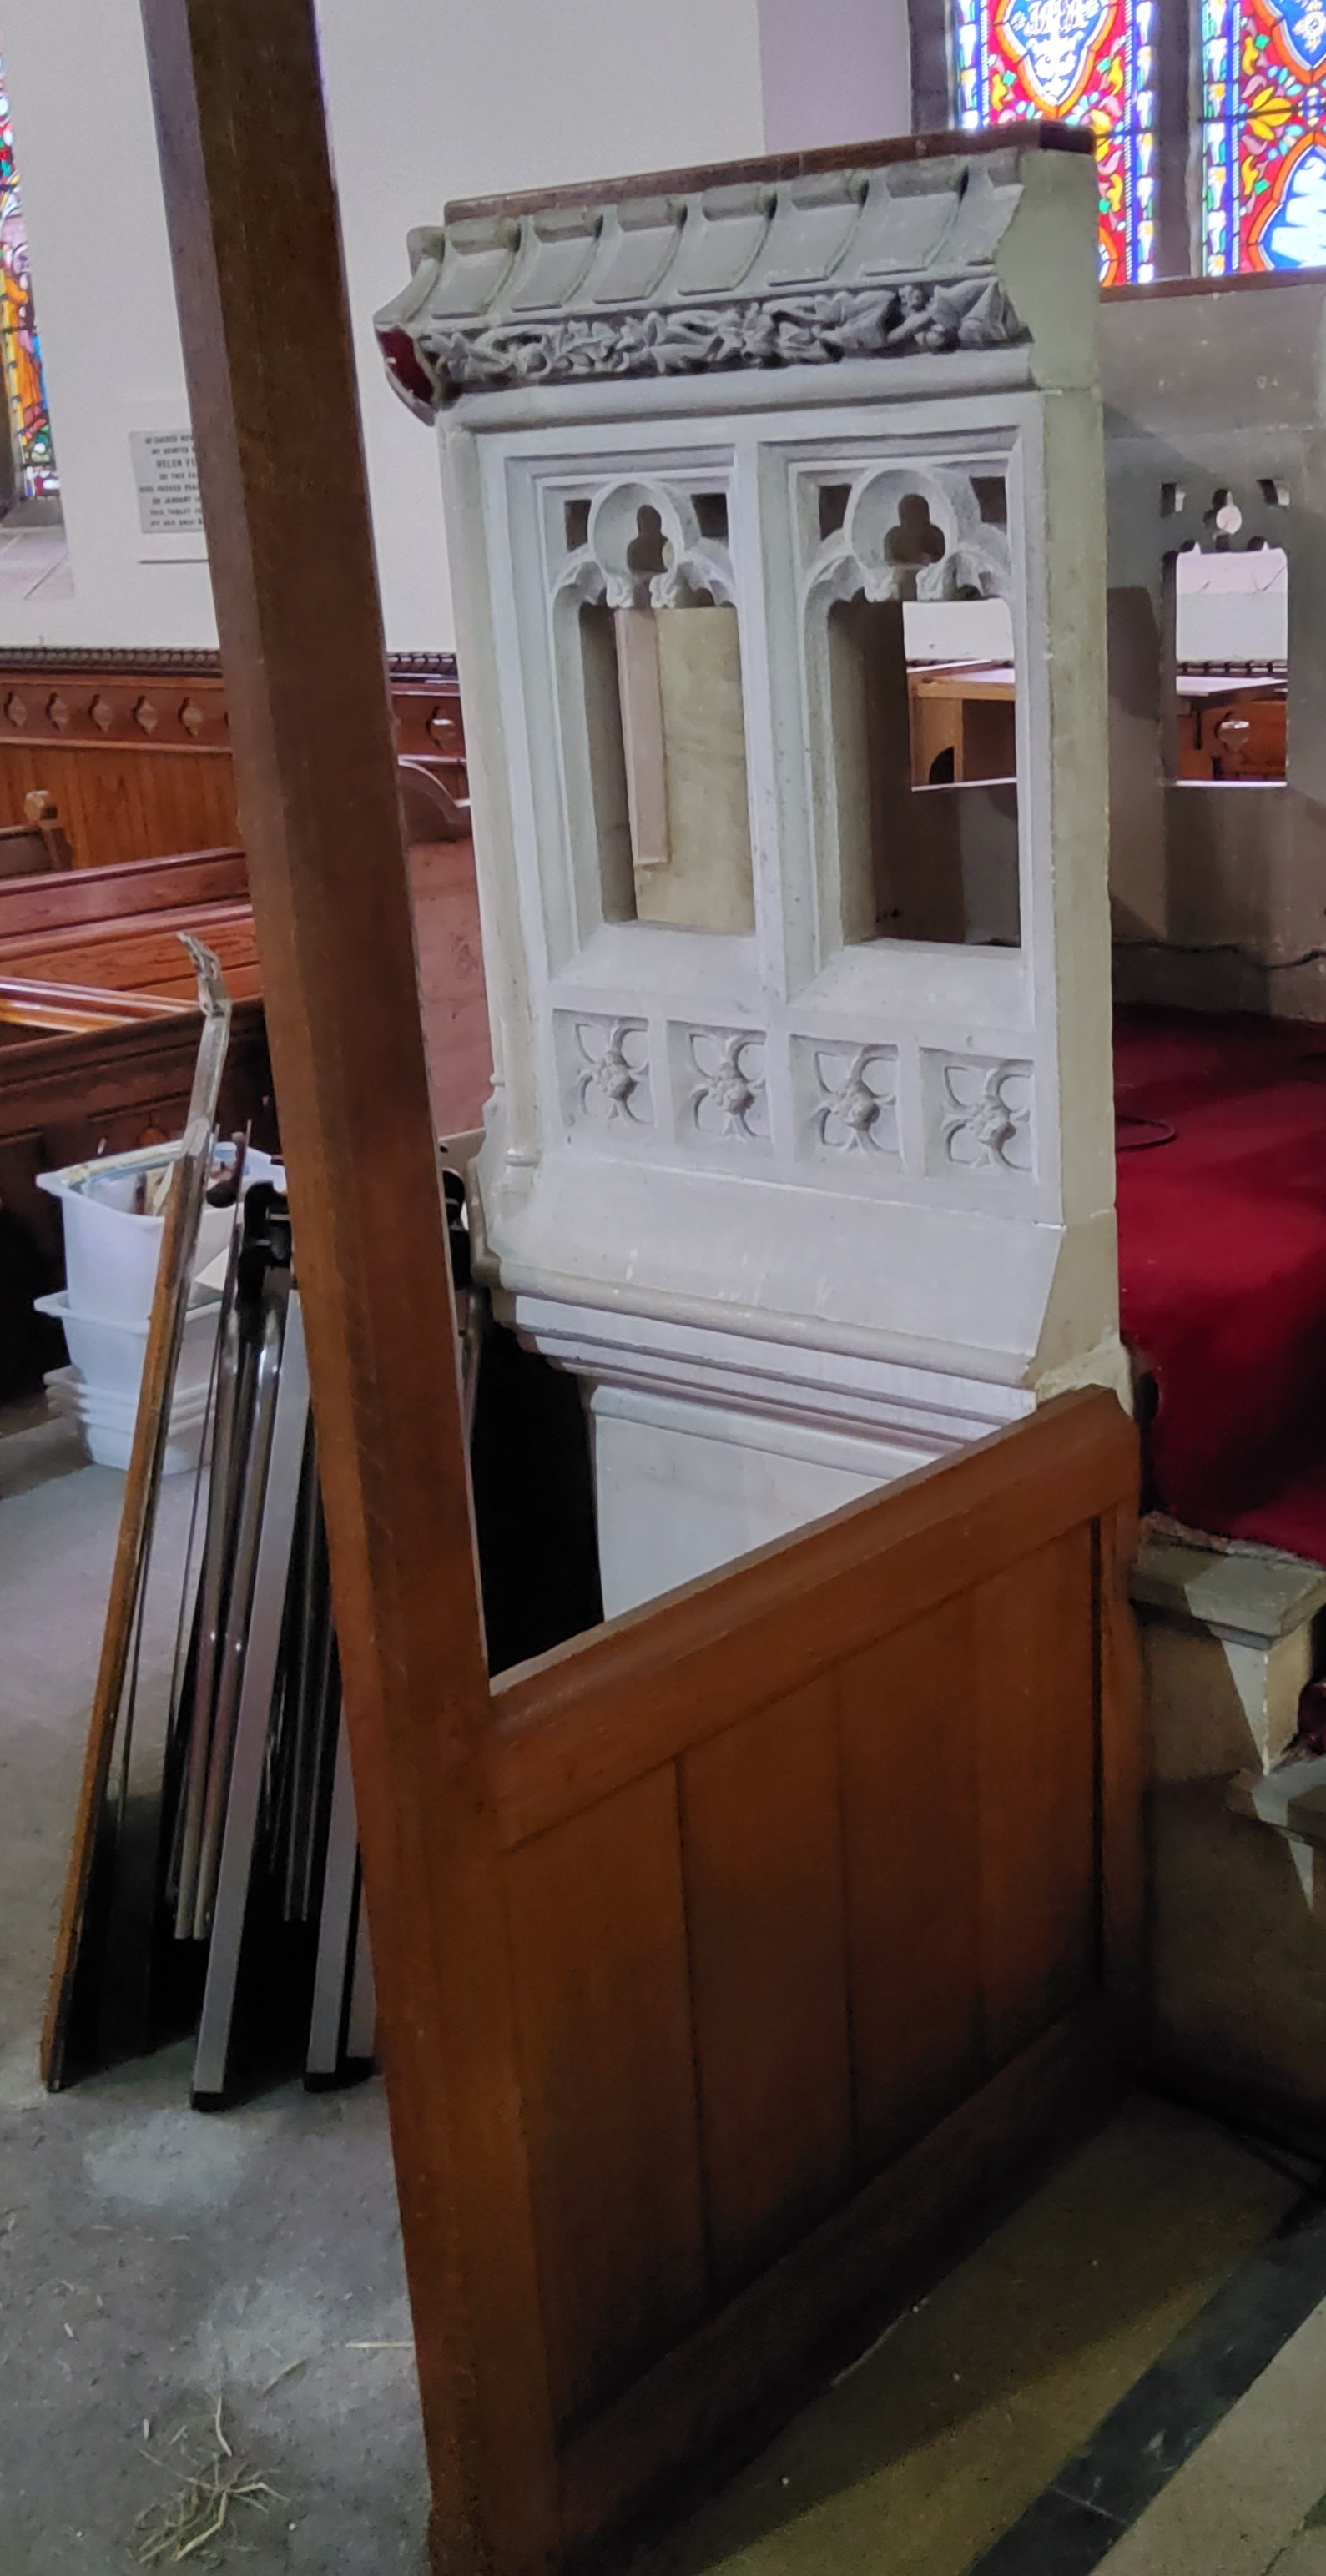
847,1103
605,1075
978,1116
719,1088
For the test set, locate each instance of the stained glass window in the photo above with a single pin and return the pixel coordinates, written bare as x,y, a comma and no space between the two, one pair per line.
1089,62
1263,134
20,348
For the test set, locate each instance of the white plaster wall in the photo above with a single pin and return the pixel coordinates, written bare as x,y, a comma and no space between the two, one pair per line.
834,71
426,102
106,313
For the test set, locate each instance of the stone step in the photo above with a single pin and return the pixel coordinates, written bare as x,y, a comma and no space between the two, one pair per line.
1228,1640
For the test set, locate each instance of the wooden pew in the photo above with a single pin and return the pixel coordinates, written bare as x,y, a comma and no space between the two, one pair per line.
38,845
98,1035
117,929
134,747
29,1009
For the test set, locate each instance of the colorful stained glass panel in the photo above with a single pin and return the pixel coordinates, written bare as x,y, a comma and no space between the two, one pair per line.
1090,62
1263,135
20,348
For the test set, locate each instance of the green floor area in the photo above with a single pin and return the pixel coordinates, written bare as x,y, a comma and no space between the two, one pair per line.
937,2440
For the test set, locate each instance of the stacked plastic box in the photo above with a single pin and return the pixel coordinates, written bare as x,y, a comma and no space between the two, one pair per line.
110,1269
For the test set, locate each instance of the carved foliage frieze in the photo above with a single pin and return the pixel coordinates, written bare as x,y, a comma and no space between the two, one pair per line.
803,330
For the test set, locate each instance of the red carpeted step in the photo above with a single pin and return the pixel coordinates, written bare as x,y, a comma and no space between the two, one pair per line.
1295,1517
1222,1264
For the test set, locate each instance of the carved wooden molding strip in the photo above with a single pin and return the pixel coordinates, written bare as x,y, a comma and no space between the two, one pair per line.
857,261
432,669
168,701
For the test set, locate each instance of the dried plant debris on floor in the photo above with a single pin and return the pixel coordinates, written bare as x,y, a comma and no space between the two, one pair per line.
212,2481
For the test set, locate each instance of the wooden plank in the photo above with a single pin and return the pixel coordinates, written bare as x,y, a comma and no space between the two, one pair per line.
1033,1683
598,1933
731,2383
63,1087
913,1890
74,1946
76,1007
1122,1856
274,397
141,953
642,735
579,1722
764,1910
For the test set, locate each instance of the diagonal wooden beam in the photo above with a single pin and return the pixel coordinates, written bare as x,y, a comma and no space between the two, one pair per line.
259,279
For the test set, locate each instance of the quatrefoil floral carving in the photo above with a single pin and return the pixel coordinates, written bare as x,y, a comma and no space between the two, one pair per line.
858,1114
729,1098
612,1079
987,1117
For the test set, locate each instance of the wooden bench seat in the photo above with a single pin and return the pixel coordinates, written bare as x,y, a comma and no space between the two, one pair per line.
117,929
141,953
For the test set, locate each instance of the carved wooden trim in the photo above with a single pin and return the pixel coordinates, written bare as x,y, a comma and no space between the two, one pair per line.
191,663
175,702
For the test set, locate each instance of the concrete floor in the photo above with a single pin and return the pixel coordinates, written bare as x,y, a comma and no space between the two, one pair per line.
153,2261
1252,2500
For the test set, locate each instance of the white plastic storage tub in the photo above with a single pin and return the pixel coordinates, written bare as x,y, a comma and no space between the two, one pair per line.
111,1252
109,1356
107,1426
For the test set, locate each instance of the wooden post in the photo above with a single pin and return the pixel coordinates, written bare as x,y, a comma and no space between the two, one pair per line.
259,279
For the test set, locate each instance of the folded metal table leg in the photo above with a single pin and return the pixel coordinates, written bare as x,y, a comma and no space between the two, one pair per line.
270,1579
361,2024
340,1889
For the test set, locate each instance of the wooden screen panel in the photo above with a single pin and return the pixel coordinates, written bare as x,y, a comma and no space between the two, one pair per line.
1035,1739
764,1909
584,1719
137,755
598,1938
124,801
910,1820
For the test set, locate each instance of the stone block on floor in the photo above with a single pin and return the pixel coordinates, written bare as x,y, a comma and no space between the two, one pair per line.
1228,1649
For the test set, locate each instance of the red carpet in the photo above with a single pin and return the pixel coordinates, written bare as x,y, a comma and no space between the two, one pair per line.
1222,1265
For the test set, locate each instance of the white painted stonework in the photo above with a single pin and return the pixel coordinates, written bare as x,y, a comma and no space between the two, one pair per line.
803,1203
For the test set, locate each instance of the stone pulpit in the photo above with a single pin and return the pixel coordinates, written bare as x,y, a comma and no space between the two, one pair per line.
799,1152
